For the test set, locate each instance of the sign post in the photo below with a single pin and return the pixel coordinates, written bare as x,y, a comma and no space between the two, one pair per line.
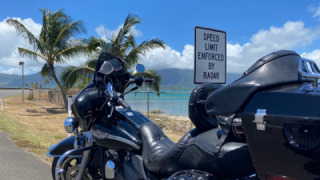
210,56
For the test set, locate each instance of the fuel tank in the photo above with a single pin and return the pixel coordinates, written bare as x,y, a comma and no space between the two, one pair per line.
121,131
282,126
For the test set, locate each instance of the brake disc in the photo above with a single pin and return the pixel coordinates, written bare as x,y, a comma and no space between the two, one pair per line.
73,171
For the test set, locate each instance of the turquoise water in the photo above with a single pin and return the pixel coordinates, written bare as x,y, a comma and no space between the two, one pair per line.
170,102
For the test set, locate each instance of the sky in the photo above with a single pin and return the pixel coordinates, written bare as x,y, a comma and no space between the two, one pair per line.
254,28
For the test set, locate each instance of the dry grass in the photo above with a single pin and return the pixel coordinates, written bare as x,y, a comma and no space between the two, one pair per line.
36,125
32,125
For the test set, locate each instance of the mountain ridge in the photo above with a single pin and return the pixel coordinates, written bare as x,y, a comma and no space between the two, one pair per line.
172,78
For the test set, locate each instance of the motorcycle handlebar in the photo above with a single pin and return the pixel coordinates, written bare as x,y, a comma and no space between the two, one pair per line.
124,104
148,80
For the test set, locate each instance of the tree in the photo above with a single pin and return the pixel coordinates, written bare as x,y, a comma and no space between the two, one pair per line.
35,85
122,45
45,81
55,43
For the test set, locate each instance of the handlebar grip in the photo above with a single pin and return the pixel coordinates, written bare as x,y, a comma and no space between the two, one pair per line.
124,104
148,80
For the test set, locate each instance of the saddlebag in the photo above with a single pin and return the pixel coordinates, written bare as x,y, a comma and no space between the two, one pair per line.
282,126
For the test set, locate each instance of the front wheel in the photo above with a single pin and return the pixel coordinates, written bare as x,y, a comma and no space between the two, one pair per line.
70,168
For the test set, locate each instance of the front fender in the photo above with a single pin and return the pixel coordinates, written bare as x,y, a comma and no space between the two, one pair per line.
63,146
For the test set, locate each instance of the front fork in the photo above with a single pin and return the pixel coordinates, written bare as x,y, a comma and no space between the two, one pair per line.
85,151
81,152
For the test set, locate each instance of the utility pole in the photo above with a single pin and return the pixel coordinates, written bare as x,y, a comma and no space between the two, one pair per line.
21,63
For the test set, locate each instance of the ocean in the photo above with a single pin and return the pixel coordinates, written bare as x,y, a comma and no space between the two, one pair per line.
171,102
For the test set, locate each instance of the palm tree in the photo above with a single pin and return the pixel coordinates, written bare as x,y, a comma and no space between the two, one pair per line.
54,44
122,45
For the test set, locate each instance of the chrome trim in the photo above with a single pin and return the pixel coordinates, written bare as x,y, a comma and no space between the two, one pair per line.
259,119
67,154
71,124
90,140
117,138
110,170
304,69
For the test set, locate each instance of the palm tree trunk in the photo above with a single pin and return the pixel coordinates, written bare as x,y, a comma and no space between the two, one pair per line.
53,73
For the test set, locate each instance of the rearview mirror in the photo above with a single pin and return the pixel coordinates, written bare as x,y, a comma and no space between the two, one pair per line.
140,68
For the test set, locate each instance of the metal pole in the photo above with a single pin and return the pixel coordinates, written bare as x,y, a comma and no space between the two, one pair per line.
69,106
148,102
23,82
69,109
1,103
21,63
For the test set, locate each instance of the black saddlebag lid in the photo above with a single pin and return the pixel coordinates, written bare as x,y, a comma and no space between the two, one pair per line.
290,143
274,69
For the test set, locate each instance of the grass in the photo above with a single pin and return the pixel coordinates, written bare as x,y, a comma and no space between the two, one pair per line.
36,125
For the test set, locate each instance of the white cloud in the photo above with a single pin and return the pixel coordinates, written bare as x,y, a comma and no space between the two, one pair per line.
10,41
169,58
315,10
314,55
105,33
290,36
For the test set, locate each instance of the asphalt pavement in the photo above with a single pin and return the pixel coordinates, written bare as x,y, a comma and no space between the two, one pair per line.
15,163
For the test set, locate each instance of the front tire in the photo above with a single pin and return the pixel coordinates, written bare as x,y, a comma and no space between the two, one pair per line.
70,169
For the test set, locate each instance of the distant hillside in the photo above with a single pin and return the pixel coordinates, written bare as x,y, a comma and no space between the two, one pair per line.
183,78
14,81
171,79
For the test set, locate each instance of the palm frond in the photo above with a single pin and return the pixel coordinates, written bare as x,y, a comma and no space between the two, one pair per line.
91,63
25,33
30,54
133,56
155,86
148,45
129,43
45,72
130,21
70,52
67,31
70,76
95,43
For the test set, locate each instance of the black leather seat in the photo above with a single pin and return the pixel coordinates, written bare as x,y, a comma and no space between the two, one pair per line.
274,69
193,151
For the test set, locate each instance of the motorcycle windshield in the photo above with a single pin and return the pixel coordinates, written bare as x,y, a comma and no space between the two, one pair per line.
109,66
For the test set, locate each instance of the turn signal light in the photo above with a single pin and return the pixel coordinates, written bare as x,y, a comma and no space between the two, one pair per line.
277,177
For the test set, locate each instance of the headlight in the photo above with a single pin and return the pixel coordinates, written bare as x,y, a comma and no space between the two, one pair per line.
70,124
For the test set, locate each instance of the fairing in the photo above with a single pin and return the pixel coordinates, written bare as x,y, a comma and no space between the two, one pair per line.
63,146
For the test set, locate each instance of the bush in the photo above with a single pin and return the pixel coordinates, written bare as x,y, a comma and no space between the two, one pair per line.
156,112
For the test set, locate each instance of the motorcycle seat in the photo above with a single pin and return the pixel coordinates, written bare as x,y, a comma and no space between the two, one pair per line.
277,68
193,151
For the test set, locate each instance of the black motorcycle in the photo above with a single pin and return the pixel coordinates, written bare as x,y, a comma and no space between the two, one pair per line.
265,125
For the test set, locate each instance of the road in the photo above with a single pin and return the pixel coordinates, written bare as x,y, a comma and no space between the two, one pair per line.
17,164
11,92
